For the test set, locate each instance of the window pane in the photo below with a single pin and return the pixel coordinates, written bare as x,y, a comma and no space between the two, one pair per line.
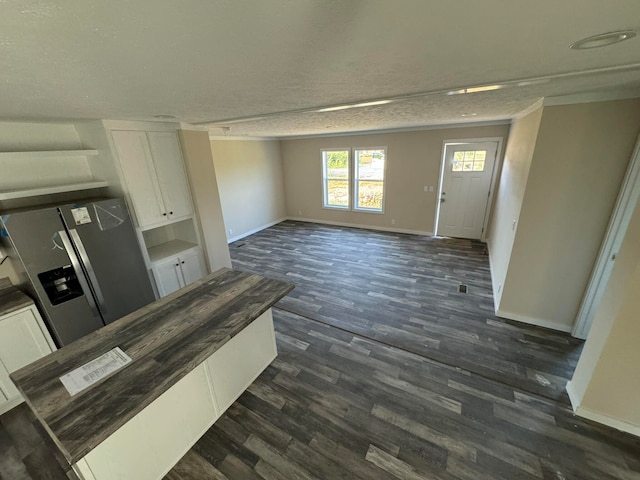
337,164
469,155
478,165
456,166
370,194
370,164
467,166
335,170
369,178
337,193
458,156
480,154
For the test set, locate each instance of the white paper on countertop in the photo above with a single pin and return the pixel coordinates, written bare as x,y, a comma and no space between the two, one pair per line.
83,377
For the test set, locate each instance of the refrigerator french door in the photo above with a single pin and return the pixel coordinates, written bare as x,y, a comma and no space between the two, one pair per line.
84,264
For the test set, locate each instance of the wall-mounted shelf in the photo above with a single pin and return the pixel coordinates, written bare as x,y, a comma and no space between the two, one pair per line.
50,189
49,154
169,249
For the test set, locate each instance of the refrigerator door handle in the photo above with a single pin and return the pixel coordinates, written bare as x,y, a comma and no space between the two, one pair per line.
75,263
88,267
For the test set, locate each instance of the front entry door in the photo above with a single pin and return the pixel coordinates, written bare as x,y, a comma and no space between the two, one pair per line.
464,192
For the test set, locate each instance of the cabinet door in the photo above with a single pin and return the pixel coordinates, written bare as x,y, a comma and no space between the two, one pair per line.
21,342
192,265
7,389
167,156
168,276
140,175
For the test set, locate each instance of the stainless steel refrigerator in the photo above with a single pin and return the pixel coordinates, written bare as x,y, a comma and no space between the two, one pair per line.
83,263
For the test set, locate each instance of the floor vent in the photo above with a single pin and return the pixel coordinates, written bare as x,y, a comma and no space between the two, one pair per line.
462,288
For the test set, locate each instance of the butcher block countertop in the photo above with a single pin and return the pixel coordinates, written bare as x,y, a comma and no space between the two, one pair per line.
11,299
165,340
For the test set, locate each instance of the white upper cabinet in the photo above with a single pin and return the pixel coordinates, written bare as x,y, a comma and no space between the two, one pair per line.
154,172
165,150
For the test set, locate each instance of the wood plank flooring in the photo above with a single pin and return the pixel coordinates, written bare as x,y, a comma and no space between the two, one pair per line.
342,402
335,405
403,290
26,451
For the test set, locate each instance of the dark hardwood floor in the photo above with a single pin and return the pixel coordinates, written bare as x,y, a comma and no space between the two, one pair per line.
403,290
380,375
26,451
335,405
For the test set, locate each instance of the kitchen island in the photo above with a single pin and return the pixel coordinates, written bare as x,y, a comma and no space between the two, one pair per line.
192,354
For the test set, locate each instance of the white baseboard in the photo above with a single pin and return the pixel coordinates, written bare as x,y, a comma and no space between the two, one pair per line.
599,417
358,225
255,230
494,287
608,421
573,396
534,321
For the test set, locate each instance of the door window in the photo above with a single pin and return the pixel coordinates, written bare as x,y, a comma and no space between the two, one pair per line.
469,161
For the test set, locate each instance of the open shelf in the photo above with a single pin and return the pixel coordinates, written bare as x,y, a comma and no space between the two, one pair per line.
49,154
169,249
49,189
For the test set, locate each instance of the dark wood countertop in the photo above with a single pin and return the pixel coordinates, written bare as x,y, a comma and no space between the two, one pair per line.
12,299
166,340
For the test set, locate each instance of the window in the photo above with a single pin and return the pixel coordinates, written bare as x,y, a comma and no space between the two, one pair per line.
369,179
470,161
367,170
335,178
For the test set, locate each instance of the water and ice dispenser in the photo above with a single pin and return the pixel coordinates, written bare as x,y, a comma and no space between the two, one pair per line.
61,284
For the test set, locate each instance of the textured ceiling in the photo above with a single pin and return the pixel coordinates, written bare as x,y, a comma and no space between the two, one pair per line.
208,61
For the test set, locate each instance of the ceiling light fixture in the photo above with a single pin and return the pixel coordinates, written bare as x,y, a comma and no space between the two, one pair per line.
484,88
603,40
514,83
164,117
354,105
468,114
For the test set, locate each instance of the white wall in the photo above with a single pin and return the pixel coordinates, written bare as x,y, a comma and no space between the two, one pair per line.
509,196
579,159
413,162
605,386
196,150
250,181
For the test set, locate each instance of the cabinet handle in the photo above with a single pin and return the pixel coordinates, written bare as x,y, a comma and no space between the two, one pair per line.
164,214
170,213
177,264
182,263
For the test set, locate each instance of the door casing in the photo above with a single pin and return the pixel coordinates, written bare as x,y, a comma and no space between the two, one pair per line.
497,168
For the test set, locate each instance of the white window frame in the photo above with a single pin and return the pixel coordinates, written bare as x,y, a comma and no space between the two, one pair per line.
324,179
356,181
352,181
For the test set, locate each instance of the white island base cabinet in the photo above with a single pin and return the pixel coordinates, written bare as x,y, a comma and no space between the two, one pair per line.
152,442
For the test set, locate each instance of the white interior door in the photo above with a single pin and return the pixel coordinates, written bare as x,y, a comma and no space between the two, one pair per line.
464,190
